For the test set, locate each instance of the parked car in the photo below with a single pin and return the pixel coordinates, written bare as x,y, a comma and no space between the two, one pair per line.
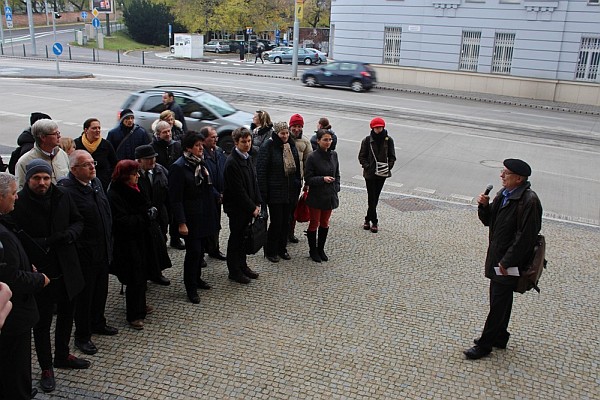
199,107
276,49
358,76
304,56
322,56
218,46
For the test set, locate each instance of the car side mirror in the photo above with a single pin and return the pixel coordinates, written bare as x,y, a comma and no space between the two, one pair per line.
196,115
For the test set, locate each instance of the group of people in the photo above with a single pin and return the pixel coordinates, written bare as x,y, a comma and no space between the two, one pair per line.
110,206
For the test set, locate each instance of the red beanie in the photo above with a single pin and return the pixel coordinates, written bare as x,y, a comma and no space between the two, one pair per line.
296,119
376,122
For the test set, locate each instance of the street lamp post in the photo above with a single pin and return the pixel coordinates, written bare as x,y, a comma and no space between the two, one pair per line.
31,27
296,34
54,15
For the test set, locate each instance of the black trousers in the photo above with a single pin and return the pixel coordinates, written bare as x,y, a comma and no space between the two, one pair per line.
15,366
91,302
496,325
278,229
210,244
54,293
374,187
191,263
135,301
236,255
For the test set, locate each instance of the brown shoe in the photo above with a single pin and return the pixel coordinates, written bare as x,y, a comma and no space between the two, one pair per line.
149,310
138,324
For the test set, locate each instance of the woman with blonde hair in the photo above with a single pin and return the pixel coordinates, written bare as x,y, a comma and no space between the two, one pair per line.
177,132
67,144
262,129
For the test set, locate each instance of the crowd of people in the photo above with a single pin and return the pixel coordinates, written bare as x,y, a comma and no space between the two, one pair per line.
78,210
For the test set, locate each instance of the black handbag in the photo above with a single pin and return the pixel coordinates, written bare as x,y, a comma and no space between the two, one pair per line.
255,235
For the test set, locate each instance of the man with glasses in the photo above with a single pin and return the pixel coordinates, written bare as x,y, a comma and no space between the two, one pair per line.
94,248
50,226
47,137
515,219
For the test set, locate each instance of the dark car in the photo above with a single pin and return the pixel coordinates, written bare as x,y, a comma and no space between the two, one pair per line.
356,75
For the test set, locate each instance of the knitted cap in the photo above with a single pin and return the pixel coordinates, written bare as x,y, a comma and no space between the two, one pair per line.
280,126
35,167
297,119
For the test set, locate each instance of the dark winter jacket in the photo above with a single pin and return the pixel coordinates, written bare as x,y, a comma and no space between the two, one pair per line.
384,152
511,239
106,158
321,195
275,186
139,250
125,140
259,136
241,194
215,162
16,272
194,205
168,152
157,193
50,226
25,141
94,246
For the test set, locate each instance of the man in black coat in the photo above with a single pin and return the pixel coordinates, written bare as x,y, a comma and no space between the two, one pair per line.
154,184
51,224
16,271
94,248
515,219
168,99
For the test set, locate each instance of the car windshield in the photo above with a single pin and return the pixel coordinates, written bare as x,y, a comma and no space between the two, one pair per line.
217,105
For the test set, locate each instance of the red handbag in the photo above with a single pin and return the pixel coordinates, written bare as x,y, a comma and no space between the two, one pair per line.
302,213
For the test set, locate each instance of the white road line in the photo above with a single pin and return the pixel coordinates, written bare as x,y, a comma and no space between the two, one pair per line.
425,190
41,97
461,197
389,183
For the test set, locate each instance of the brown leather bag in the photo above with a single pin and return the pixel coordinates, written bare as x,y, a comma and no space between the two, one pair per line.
530,277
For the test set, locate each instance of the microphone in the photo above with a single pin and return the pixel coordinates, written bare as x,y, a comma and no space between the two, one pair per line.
488,189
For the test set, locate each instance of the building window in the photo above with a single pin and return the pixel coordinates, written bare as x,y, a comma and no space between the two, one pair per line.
589,58
392,38
469,51
594,2
503,53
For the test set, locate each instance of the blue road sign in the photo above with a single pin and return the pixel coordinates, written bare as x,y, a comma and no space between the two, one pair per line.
57,48
7,10
84,15
96,23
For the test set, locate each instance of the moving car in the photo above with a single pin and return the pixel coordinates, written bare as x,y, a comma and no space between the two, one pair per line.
199,107
358,76
304,56
217,46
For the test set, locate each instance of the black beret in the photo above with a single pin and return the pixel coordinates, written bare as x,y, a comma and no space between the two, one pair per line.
517,166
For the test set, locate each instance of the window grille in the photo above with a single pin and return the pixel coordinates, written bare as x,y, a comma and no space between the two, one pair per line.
589,58
391,50
503,53
469,51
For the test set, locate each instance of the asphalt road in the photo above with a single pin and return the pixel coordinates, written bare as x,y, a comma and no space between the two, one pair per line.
447,149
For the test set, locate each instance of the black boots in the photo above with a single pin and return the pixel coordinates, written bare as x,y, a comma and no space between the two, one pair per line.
321,246
312,244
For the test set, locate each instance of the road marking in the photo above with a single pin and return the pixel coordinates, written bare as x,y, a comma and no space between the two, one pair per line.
461,197
425,190
41,97
389,183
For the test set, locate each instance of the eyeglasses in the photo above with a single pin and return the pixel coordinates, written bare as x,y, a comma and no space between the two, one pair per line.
88,164
57,133
506,172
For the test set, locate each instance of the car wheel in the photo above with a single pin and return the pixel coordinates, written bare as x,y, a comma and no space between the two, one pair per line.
172,50
311,81
277,60
226,142
217,51
307,61
357,85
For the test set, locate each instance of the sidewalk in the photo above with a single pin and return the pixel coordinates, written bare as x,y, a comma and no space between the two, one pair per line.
386,318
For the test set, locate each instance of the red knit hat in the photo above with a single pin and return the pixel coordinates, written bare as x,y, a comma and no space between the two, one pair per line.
377,122
297,119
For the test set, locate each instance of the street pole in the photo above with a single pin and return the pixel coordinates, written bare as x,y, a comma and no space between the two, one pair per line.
46,9
54,32
31,28
296,34
1,26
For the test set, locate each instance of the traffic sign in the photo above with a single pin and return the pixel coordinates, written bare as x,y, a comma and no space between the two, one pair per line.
95,12
84,15
96,23
7,10
57,48
9,24
8,17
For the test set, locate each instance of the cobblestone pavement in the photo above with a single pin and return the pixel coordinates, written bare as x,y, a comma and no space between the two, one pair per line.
386,318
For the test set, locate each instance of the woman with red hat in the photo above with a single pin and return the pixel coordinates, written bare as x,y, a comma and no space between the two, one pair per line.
377,157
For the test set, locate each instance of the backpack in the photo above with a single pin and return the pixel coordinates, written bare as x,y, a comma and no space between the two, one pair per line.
530,276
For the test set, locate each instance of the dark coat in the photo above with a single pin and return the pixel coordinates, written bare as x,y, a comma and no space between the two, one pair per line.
106,158
275,187
321,195
157,193
168,152
139,250
25,140
241,194
50,226
215,162
124,141
511,242
17,273
259,137
194,205
94,246
384,151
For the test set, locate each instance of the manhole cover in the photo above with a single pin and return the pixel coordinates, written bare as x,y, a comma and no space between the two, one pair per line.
410,204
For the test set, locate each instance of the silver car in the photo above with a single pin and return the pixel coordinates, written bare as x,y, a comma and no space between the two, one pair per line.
217,46
199,107
304,56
